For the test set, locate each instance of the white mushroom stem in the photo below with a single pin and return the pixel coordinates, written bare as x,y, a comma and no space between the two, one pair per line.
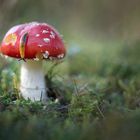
32,84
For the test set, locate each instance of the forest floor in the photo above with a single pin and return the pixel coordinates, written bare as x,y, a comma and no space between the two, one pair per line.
93,94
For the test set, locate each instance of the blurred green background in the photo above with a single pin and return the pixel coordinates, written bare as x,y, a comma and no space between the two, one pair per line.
108,18
98,84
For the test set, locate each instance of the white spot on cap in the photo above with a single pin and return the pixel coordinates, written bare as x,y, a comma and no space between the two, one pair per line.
46,54
52,58
37,35
60,55
6,56
47,40
36,59
45,31
40,45
34,23
52,35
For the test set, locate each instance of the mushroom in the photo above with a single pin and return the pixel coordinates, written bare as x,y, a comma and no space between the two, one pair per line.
33,42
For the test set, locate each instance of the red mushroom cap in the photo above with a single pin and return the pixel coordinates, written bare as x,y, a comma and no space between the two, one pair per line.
33,40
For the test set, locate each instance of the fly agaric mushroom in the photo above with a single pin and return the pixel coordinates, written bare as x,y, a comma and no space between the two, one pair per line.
33,42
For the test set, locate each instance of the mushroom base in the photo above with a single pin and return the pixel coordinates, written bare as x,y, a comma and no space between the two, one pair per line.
32,84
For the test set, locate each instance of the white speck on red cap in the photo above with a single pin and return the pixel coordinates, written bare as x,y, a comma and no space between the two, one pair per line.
60,55
37,35
52,35
46,54
36,59
45,31
40,45
47,40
